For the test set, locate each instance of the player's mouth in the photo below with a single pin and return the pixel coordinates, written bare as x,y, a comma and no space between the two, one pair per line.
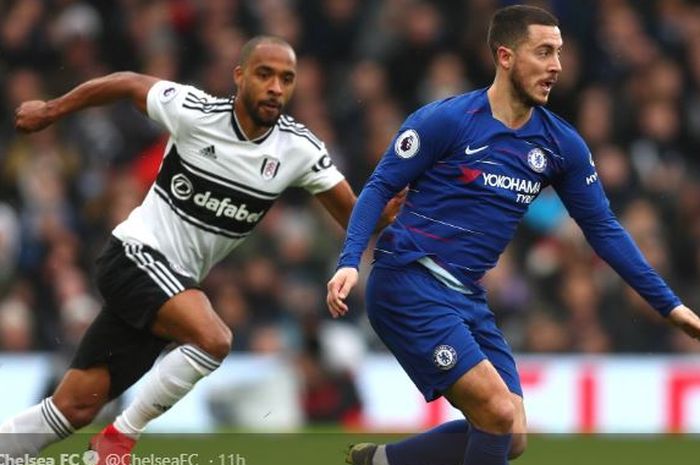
272,106
547,84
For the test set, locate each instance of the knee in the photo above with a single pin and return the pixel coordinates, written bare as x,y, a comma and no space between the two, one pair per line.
78,412
499,415
216,343
517,446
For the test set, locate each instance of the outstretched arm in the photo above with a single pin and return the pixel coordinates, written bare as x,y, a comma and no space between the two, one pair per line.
35,115
582,193
615,246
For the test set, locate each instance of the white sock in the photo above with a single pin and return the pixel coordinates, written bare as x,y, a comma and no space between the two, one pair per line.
167,383
379,457
33,429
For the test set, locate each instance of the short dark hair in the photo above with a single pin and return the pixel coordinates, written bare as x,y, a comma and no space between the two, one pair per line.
509,25
250,46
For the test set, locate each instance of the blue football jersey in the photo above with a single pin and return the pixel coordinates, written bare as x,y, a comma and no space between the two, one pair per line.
471,180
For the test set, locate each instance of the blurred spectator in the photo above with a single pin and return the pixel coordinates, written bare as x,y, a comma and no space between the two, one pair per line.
579,296
327,395
421,37
656,154
595,116
16,319
445,78
615,171
9,243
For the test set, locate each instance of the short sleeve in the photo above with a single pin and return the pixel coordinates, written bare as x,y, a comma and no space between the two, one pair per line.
321,176
164,104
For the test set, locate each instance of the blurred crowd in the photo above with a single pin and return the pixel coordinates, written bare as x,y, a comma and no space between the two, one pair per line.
631,85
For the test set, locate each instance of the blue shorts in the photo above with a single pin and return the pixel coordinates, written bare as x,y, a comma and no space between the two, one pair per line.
435,333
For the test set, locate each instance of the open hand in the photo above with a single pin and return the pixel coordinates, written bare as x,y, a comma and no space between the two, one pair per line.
339,287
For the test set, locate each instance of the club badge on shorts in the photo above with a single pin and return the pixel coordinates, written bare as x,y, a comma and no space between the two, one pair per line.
445,357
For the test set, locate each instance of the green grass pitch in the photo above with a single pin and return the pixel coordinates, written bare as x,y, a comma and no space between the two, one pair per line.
326,448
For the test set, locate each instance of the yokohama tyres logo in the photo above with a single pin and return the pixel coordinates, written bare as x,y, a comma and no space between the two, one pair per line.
510,183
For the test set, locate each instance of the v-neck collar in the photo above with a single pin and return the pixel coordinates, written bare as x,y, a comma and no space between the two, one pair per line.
522,131
239,131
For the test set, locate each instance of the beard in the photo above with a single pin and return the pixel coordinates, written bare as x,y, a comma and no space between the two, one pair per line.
256,113
517,82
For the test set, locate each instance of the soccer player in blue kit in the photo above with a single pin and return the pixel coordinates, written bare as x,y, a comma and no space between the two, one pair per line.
473,164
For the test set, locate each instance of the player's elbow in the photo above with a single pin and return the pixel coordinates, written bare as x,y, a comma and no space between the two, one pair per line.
125,75
128,80
134,86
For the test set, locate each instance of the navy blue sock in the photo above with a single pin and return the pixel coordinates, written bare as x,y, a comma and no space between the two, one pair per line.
487,449
442,445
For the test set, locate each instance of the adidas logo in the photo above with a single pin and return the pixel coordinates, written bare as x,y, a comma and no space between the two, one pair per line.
209,152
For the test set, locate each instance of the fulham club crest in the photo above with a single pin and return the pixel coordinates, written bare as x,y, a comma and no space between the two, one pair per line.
270,167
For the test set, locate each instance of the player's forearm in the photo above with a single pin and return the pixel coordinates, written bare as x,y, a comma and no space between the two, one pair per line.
391,211
384,221
102,91
339,201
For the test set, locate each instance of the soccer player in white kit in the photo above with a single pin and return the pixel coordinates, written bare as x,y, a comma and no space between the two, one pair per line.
226,162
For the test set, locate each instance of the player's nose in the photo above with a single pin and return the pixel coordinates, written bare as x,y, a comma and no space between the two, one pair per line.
275,86
555,64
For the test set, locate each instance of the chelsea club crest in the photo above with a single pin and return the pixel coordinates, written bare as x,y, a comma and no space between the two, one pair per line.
444,357
537,160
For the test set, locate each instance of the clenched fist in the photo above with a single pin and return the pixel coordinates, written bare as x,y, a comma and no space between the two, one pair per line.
32,116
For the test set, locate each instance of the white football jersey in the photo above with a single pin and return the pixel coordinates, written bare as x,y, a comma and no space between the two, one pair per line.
214,185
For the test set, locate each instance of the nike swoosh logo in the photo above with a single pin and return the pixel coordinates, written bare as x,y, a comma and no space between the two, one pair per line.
469,151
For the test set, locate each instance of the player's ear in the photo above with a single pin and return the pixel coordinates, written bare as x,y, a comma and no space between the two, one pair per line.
238,75
504,57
